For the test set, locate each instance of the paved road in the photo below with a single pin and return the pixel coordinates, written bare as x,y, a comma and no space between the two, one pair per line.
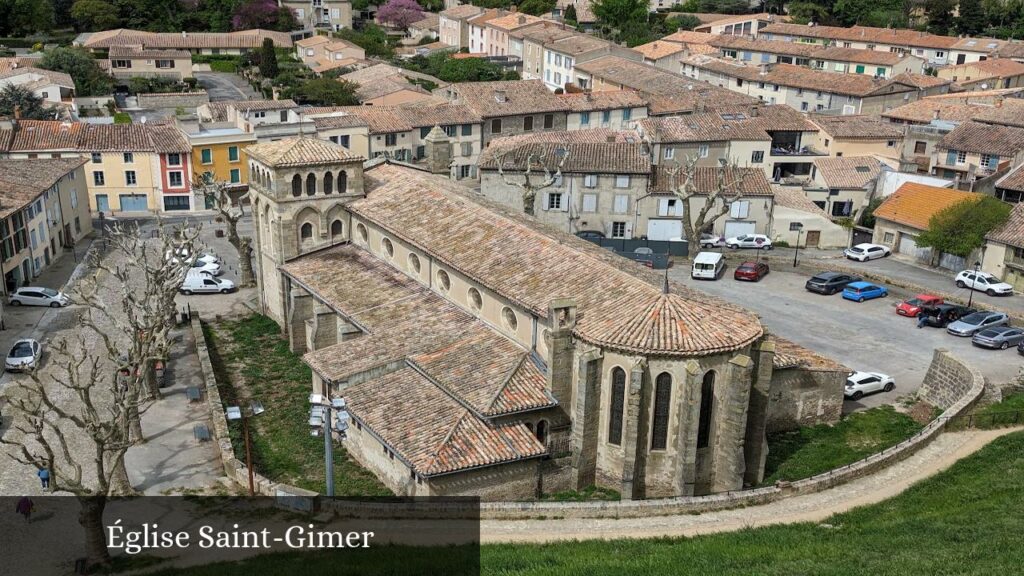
866,336
225,86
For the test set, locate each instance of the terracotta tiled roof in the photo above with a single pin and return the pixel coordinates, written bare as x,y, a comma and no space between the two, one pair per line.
914,204
514,21
766,46
732,19
384,86
15,62
185,40
744,123
856,127
401,118
313,41
578,44
486,16
483,241
994,68
462,11
984,139
750,181
925,110
667,92
1014,180
585,157
659,49
584,10
430,21
47,76
218,111
603,100
920,81
839,54
689,37
136,52
898,37
1012,231
300,151
338,121
984,45
542,32
46,135
1008,112
848,172
791,355
22,181
520,97
795,198
39,135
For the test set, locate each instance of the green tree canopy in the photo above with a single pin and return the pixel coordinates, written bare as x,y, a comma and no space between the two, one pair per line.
960,229
971,19
95,15
681,22
617,13
25,17
372,39
268,59
325,92
940,15
28,104
537,7
570,15
90,79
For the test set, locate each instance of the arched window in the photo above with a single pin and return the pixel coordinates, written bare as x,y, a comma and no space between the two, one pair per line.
342,182
476,300
388,247
328,183
414,263
296,185
252,172
306,232
337,228
707,408
542,432
617,400
662,397
310,185
363,234
509,316
444,282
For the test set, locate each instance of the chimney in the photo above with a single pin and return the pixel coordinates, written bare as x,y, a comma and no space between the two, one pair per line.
184,34
17,112
754,111
500,96
935,114
522,19
610,138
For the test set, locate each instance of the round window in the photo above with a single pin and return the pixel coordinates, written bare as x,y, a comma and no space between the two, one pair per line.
509,316
443,281
414,263
361,229
388,247
475,299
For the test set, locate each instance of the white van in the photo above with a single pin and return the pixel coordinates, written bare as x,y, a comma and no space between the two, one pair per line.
708,266
197,282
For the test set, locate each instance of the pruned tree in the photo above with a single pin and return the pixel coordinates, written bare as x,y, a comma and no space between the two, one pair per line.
727,189
528,185
217,193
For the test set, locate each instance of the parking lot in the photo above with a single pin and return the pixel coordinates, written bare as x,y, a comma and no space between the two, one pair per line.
866,336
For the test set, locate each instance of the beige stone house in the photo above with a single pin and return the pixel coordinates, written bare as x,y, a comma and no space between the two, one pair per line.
514,360
510,107
453,24
322,53
844,186
857,135
498,31
816,228
985,74
533,38
238,42
1003,255
129,62
975,150
614,109
906,213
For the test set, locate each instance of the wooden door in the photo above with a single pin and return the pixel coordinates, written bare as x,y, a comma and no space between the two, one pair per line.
813,238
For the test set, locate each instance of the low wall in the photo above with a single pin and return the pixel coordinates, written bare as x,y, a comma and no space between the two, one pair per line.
93,102
173,99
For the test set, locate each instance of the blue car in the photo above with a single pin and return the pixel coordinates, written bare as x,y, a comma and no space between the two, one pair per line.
861,291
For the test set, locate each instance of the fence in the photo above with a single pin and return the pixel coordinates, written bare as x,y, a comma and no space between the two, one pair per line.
654,253
993,419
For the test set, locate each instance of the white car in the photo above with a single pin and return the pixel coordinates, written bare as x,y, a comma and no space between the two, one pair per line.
860,383
204,257
211,268
199,283
711,241
759,241
29,296
983,282
24,356
865,252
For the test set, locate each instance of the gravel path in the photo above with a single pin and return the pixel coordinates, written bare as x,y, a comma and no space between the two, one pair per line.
937,456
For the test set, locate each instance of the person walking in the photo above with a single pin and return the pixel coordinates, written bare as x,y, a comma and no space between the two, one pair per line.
24,507
44,477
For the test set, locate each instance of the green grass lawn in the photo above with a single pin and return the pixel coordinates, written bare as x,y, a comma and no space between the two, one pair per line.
1009,412
122,118
808,451
283,450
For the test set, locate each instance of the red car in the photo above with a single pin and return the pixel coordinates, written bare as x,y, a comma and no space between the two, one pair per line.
751,271
911,308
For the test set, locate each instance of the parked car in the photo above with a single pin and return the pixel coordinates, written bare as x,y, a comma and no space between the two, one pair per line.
712,241
973,323
202,283
707,266
860,383
29,296
829,283
911,308
759,241
983,282
861,291
590,234
942,315
213,269
1001,337
183,254
751,271
864,252
24,356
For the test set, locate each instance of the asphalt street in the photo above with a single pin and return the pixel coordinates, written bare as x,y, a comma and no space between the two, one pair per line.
225,86
866,336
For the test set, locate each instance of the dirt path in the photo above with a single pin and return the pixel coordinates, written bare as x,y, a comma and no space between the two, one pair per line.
942,453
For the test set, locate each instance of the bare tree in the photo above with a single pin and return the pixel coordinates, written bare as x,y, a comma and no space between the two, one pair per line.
52,429
683,183
217,194
528,187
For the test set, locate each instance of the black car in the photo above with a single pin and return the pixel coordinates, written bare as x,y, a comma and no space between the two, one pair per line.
829,282
941,315
590,235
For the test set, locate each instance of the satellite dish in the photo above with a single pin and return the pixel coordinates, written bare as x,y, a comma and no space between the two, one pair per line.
142,120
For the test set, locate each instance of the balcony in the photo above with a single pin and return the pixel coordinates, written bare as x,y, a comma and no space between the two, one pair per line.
795,151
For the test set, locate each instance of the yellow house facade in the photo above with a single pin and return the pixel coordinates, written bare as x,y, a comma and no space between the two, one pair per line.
219,154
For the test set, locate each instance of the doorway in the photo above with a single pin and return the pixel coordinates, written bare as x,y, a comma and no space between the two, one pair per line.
813,238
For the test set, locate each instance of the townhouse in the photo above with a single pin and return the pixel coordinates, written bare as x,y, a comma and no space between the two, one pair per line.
321,14
478,35
906,213
975,150
1004,247
831,58
322,53
132,61
740,25
667,93
843,187
985,74
218,151
560,57
499,29
811,90
239,42
510,107
857,135
532,40
44,210
453,24
53,88
935,50
613,109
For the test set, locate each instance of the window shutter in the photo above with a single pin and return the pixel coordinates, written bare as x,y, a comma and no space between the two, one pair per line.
951,158
629,230
544,202
679,207
564,206
734,210
590,203
744,208
663,207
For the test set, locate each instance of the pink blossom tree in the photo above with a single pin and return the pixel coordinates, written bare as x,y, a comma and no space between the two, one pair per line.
264,14
400,13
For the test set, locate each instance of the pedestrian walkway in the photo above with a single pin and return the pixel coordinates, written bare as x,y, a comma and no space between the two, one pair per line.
942,453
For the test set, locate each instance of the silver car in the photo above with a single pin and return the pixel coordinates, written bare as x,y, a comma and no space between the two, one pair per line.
973,323
24,356
1001,337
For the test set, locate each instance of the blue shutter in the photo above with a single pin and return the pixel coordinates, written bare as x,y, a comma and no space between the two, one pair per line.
951,158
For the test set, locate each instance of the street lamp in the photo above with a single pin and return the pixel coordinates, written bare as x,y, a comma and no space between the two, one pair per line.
322,412
977,268
237,413
798,227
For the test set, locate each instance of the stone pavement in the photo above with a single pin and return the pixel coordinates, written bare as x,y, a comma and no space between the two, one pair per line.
942,453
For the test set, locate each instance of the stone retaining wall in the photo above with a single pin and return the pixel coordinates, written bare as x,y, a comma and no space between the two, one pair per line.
173,99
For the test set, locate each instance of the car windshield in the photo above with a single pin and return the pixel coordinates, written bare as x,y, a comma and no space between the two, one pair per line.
976,318
746,267
990,332
822,278
21,350
915,302
856,249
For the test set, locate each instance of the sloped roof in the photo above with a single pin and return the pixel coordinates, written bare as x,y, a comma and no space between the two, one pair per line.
894,36
984,139
136,52
749,181
520,97
598,155
22,181
659,49
41,135
992,68
791,355
514,21
603,100
1013,180
1012,231
59,78
186,40
744,123
793,197
914,204
856,127
848,172
925,110
299,151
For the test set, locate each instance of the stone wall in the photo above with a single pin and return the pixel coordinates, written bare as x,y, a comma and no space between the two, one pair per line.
173,99
947,380
804,397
